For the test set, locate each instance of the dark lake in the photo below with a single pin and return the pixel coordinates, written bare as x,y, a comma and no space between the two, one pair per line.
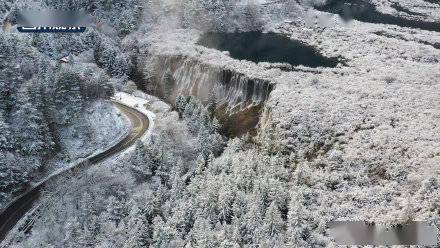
266,47
365,11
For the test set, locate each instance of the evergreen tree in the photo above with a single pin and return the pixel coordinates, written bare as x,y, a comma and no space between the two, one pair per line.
138,229
212,104
142,161
109,56
12,173
180,105
202,234
169,82
225,200
273,223
6,95
115,210
37,96
30,126
162,234
67,95
299,218
73,232
200,164
189,108
6,141
252,224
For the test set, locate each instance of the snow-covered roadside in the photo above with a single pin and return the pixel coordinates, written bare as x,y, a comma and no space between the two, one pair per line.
110,127
139,104
100,124
136,102
96,129
132,101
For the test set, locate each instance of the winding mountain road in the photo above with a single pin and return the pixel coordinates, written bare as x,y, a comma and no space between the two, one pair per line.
12,213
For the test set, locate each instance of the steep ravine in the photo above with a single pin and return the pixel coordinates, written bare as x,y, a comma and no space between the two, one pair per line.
239,99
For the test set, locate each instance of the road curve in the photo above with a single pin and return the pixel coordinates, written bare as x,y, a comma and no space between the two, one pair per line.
13,212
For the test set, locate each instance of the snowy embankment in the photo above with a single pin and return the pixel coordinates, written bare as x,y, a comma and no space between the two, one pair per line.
139,104
99,126
132,101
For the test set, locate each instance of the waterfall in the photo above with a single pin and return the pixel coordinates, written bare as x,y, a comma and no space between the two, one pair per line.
186,76
239,98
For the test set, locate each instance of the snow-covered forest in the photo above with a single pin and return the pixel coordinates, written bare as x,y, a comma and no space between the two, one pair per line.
241,154
45,108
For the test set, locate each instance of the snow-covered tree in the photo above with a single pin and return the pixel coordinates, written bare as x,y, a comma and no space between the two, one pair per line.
142,161
73,232
30,126
109,56
138,235
180,105
162,234
67,97
13,174
6,141
273,223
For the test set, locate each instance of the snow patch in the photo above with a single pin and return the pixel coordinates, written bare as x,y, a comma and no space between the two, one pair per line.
139,104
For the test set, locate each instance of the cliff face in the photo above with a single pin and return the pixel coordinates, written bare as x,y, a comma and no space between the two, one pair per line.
239,98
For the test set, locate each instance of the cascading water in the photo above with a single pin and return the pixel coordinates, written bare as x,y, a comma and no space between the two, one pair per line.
239,98
186,76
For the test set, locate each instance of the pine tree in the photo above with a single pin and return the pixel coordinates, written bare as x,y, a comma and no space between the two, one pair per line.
225,199
12,173
212,104
273,223
138,229
6,91
298,219
30,126
37,96
114,211
216,125
202,234
176,181
180,105
205,120
162,234
168,82
108,55
67,95
6,141
73,232
189,108
86,205
253,223
142,161
200,164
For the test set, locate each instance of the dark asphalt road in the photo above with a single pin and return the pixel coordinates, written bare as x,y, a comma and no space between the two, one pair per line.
11,214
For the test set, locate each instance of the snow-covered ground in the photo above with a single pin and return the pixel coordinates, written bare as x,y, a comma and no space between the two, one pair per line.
425,10
362,139
98,127
105,119
105,124
368,127
140,102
